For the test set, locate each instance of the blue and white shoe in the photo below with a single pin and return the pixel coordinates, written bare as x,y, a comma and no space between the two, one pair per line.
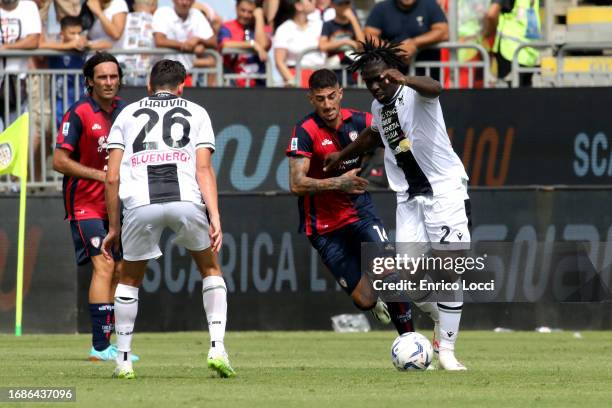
108,354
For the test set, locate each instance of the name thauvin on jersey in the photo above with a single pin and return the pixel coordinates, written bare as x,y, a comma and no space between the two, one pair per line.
163,103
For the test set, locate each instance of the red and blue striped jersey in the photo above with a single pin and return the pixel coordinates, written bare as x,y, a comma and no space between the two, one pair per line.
83,132
327,211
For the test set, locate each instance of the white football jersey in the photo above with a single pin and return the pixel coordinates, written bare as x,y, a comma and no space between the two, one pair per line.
159,136
419,158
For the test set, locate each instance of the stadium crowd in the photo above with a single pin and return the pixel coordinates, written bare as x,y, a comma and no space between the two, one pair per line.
264,31
265,40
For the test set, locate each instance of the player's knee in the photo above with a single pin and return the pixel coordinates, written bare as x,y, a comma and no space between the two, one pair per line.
363,301
104,271
364,305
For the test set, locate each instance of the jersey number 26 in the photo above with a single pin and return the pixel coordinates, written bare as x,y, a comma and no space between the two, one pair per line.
167,122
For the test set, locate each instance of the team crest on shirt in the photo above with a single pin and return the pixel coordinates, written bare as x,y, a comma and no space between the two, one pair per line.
353,135
342,282
95,242
294,143
65,128
102,144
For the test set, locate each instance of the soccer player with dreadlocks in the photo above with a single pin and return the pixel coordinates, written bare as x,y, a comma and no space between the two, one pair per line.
431,184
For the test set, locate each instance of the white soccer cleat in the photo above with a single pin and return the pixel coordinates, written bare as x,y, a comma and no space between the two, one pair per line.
381,312
448,361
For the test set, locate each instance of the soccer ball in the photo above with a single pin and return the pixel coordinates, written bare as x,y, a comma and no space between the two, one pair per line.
411,351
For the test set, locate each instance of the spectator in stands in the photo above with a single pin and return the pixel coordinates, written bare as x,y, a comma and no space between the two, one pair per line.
293,36
20,27
517,21
71,39
186,30
62,8
109,22
247,32
323,10
138,33
214,19
341,34
416,24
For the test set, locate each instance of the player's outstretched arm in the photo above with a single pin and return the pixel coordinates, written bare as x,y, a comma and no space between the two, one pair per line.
207,181
424,85
367,140
301,184
111,196
62,163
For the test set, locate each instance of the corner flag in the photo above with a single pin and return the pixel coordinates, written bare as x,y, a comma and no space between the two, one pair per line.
14,160
14,148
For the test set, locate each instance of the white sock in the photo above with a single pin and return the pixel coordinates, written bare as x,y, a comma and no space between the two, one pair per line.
450,316
214,296
431,309
126,309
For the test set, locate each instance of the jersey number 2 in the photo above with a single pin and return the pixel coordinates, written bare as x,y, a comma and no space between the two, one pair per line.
167,122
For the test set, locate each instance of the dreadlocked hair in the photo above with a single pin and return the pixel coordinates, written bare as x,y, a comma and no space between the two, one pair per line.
385,51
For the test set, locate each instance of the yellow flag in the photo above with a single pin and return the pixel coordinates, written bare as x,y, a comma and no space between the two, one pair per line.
14,148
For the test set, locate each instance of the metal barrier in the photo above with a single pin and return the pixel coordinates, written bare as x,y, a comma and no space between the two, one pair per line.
455,66
596,72
517,69
43,91
596,76
229,78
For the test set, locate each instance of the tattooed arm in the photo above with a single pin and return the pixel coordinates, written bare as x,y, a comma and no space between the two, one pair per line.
301,184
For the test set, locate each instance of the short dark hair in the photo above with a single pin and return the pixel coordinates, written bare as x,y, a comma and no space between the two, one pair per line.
98,58
388,53
167,73
70,21
322,78
248,1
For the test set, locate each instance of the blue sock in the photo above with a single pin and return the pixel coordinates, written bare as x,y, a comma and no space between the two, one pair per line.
401,316
102,324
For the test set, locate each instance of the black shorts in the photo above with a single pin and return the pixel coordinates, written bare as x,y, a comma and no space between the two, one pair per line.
87,236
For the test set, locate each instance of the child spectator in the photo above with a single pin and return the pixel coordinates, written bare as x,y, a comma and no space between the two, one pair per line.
71,39
342,34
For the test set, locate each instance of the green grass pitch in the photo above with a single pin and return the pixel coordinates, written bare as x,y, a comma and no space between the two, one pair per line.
320,369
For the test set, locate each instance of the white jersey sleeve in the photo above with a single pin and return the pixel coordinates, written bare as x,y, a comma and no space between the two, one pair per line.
419,158
375,126
205,138
115,138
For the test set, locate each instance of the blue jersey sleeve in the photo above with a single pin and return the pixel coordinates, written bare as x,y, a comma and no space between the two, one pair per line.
300,143
70,131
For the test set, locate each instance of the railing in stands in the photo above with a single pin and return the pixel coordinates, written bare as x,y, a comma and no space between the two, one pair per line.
595,75
451,70
517,69
40,90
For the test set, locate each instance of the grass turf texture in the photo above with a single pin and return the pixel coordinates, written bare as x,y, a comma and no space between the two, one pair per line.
310,369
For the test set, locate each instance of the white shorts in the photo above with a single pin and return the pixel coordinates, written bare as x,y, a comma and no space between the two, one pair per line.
443,221
143,226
